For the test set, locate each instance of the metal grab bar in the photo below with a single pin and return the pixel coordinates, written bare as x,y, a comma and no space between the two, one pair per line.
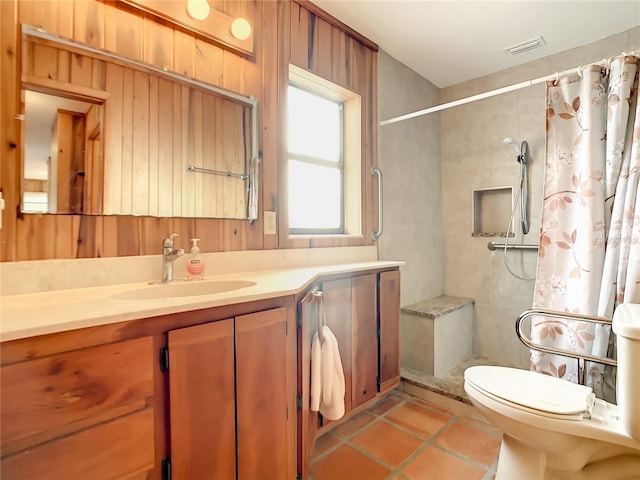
515,246
375,171
581,357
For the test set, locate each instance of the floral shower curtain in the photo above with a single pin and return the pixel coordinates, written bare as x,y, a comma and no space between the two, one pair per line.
589,253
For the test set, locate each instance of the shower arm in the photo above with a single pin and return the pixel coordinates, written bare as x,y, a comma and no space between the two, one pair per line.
581,357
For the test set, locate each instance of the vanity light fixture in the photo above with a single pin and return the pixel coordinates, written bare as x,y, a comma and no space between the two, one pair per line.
198,9
240,28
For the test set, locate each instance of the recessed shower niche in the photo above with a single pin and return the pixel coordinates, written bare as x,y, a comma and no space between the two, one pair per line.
491,211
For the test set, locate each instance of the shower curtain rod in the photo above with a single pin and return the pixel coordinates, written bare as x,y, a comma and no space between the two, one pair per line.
499,91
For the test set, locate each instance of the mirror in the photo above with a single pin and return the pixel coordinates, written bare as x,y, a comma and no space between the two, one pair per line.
57,136
107,135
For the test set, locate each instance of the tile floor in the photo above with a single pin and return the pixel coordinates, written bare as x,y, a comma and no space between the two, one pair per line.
405,438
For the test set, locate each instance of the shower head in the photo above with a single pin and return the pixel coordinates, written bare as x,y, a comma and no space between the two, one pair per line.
511,141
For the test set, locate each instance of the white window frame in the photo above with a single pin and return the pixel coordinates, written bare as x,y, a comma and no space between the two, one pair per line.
351,152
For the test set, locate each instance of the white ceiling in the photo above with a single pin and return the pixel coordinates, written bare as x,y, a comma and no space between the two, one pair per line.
448,42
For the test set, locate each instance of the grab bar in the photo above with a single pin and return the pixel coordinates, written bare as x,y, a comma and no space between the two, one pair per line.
581,357
375,171
511,246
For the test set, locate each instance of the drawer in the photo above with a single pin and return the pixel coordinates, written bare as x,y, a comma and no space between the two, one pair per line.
56,395
119,449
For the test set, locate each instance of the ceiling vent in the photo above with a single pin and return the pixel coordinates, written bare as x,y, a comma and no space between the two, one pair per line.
525,46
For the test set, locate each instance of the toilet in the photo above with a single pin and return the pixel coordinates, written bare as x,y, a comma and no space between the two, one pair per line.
555,429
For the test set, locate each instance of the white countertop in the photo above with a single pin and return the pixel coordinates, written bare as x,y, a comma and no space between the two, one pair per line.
33,314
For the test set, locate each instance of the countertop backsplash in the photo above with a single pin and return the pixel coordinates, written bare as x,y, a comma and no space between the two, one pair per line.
62,274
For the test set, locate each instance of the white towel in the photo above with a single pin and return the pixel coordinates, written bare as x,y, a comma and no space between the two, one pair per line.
327,377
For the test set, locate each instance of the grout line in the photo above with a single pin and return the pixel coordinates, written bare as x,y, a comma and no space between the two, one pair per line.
327,452
370,456
426,442
343,440
455,453
491,472
411,457
360,430
396,474
479,425
459,456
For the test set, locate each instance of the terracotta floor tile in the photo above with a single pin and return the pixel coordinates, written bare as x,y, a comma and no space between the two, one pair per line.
401,394
434,464
477,423
387,442
351,426
324,443
347,464
418,419
478,445
386,404
431,405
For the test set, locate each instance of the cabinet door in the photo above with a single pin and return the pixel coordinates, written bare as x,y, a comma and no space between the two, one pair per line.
389,301
265,392
364,357
337,314
307,419
202,403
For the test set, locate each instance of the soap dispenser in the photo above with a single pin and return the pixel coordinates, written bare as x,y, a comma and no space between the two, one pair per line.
195,262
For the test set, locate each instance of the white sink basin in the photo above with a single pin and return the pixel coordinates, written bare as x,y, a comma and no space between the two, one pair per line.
183,289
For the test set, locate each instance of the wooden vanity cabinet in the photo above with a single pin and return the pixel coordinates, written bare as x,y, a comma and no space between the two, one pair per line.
204,394
230,385
350,308
363,312
72,414
389,328
208,393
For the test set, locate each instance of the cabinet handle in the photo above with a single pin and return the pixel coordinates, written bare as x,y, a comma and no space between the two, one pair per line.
375,171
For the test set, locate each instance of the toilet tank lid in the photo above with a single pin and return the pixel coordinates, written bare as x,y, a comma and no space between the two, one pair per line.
531,389
626,320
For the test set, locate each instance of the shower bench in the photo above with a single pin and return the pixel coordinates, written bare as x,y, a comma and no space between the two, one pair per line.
436,334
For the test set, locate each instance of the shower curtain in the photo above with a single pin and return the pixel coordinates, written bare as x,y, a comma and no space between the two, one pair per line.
589,247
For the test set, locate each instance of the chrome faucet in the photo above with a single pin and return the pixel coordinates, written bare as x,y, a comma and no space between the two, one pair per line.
169,255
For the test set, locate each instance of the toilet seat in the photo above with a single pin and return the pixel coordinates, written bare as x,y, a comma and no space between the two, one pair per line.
532,392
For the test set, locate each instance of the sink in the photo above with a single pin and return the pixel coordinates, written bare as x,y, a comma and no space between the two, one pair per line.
183,289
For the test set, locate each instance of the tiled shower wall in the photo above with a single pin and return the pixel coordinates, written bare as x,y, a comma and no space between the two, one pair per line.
473,157
409,157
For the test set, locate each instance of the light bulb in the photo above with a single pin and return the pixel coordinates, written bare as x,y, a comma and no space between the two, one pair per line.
198,9
241,29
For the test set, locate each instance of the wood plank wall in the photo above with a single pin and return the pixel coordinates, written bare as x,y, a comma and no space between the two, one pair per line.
322,45
284,31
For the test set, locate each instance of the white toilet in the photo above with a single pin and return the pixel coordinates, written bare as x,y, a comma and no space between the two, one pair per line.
554,429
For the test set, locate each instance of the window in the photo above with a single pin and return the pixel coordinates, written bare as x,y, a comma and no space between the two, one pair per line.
315,163
323,164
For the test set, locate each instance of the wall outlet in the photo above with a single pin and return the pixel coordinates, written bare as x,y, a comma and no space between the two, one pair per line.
269,223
